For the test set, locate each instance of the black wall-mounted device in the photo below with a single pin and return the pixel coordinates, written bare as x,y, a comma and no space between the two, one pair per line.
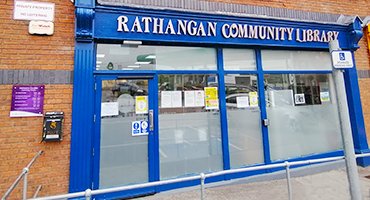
53,124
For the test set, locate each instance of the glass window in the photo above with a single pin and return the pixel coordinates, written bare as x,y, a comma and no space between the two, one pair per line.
123,158
239,59
303,115
189,125
295,60
142,57
244,120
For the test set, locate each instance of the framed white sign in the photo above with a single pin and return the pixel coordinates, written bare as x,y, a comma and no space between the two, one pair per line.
342,59
32,10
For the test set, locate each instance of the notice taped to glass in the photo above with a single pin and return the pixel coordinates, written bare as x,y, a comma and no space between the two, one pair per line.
211,97
27,101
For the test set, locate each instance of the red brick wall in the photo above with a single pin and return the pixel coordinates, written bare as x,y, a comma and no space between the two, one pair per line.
20,137
352,7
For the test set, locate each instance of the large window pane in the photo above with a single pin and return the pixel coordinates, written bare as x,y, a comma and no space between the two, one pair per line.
303,115
244,120
123,158
295,60
143,57
189,125
239,59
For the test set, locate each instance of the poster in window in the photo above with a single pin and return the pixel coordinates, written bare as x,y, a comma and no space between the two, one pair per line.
299,99
211,97
141,104
242,102
189,98
253,99
166,99
199,98
324,96
109,109
176,98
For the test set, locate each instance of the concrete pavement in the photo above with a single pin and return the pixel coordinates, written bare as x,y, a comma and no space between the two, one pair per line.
324,181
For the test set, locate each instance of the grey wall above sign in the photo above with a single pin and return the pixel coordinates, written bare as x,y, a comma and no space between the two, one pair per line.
36,76
226,8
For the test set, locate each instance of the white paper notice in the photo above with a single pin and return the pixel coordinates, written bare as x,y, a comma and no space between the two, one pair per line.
253,99
324,96
199,98
299,99
242,102
109,109
166,99
176,99
189,98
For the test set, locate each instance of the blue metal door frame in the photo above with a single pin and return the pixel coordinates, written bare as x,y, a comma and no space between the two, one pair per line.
152,137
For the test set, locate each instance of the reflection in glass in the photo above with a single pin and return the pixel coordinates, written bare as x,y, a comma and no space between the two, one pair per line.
295,60
123,158
303,115
189,133
239,59
243,117
144,57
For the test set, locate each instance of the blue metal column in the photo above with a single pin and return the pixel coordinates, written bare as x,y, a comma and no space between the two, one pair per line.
355,33
222,106
154,165
356,115
82,103
82,118
261,94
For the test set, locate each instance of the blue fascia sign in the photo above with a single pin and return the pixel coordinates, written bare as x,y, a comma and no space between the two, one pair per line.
342,59
181,29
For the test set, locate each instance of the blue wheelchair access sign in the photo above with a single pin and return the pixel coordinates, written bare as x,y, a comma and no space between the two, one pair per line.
139,128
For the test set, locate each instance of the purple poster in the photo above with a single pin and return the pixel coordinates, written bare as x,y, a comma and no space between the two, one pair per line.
27,100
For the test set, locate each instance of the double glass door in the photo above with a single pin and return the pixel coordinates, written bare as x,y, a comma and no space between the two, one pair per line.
124,131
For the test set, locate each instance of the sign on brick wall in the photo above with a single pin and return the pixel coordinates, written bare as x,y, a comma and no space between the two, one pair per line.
27,101
31,10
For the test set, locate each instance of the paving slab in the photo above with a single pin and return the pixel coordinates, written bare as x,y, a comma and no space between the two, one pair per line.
329,183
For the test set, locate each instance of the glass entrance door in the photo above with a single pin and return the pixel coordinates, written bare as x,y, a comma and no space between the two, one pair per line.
125,123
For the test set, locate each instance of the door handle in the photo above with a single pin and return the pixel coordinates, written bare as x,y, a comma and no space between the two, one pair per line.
151,120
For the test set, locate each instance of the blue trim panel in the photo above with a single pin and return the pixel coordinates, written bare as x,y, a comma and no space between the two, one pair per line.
222,106
84,24
155,142
85,3
355,114
106,28
96,135
82,118
261,94
152,152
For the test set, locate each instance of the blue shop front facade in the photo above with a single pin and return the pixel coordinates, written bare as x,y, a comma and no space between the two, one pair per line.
162,94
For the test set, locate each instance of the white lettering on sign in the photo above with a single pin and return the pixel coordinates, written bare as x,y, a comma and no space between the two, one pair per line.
159,26
163,26
31,10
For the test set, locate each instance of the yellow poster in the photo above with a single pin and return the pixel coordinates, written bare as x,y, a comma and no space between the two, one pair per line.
253,99
141,104
211,97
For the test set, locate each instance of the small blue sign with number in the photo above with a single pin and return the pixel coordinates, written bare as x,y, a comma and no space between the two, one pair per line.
139,128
